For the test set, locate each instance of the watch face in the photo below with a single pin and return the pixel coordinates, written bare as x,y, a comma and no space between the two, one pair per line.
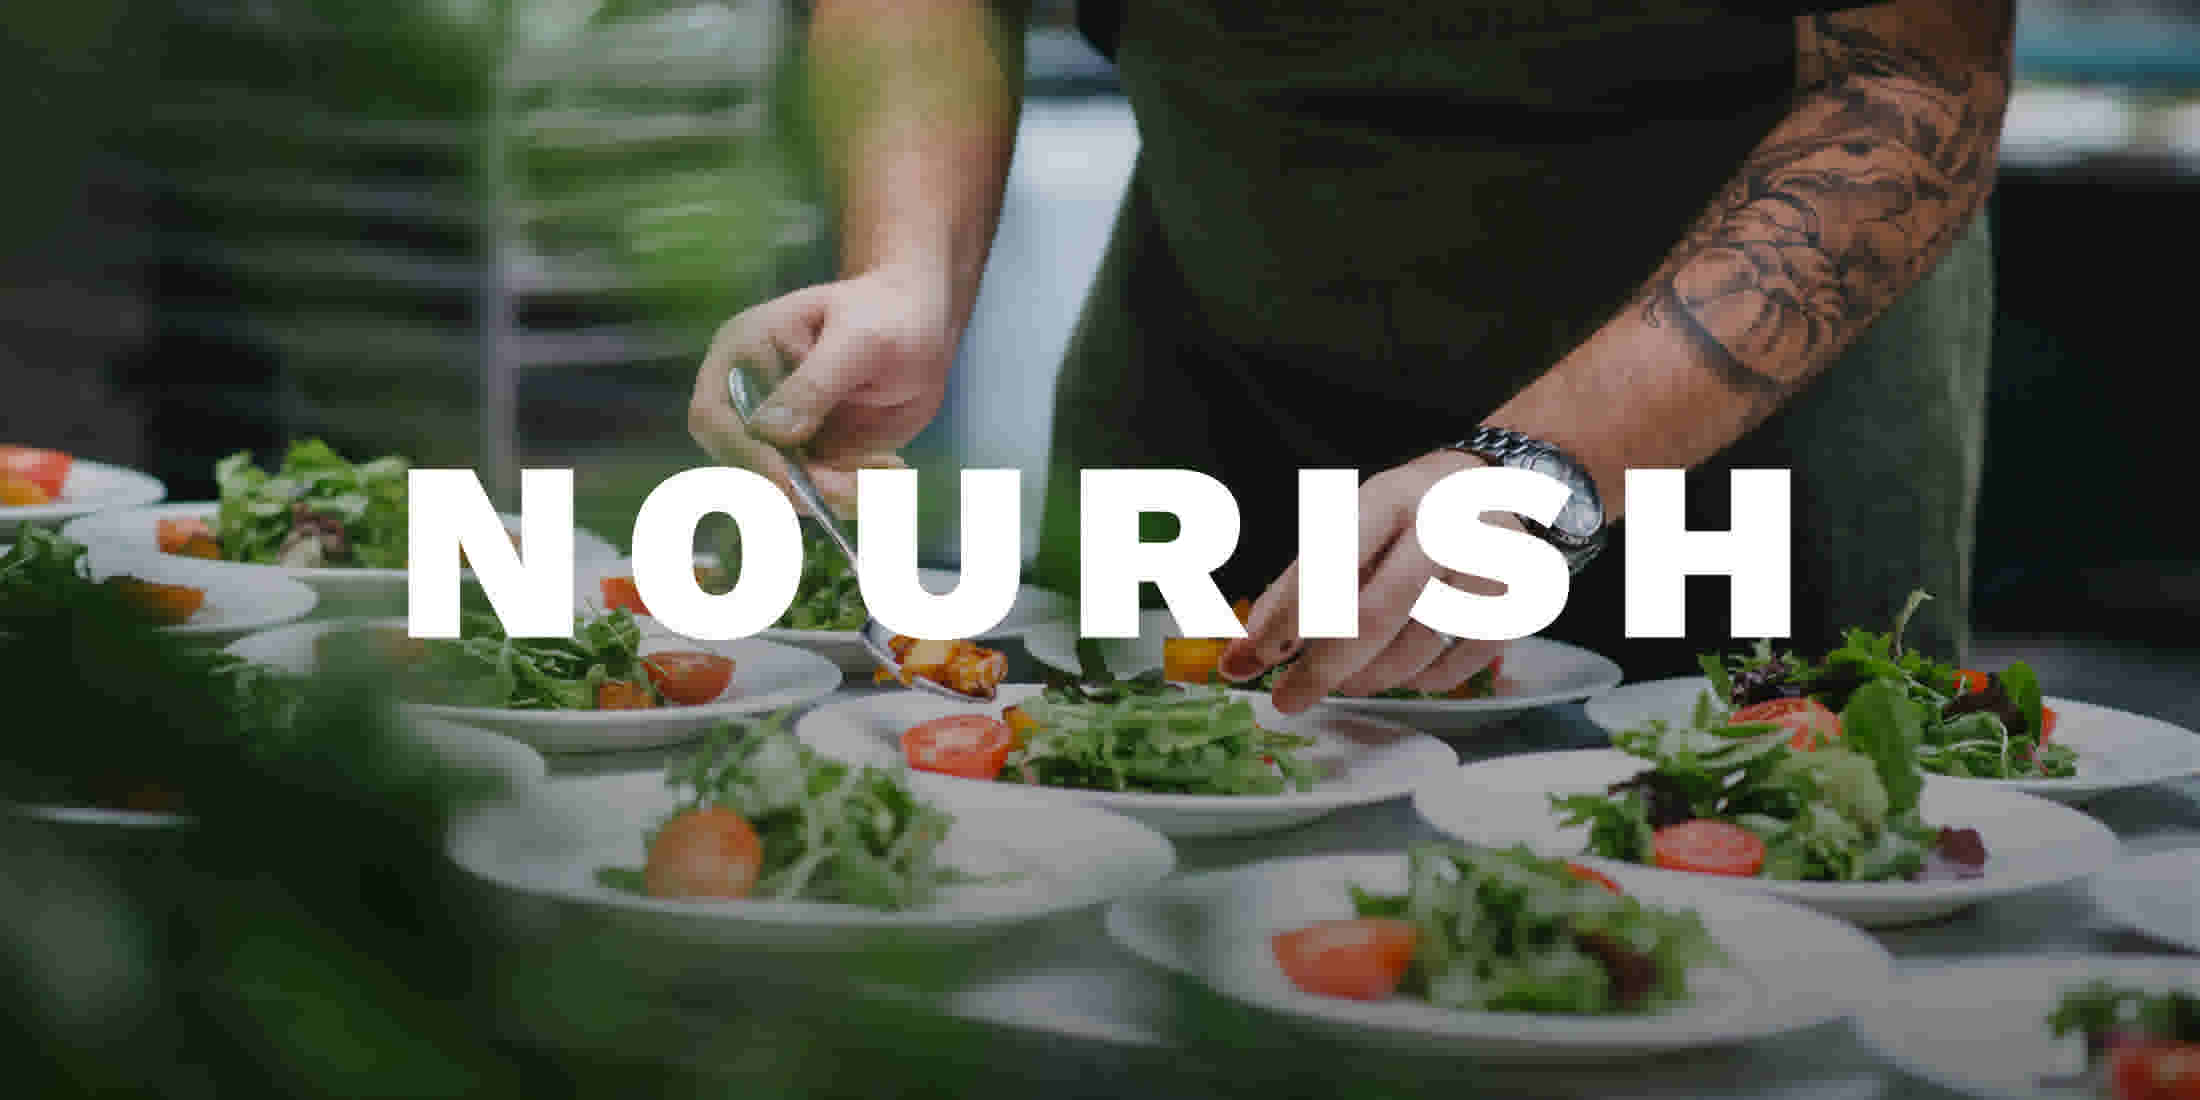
1583,515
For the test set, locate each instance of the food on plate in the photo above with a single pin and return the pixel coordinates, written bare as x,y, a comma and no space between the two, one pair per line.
826,597
1196,661
1138,735
1976,724
601,667
1775,800
31,475
2138,1045
621,592
45,569
960,665
1501,930
763,816
317,510
188,536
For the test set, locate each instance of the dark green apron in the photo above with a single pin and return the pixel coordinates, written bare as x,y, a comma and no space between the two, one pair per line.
1354,229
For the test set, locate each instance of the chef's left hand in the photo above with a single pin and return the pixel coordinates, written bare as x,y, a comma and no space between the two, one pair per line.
1392,650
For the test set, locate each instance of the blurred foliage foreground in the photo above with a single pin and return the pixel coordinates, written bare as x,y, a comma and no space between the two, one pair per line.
307,935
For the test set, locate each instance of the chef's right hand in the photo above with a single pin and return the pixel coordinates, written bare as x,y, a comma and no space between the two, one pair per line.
865,365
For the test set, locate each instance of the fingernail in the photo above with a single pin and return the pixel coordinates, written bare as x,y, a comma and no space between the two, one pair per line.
777,421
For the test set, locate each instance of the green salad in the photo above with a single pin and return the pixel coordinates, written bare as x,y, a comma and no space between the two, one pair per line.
316,510
761,815
1481,685
1743,799
41,568
827,596
1506,930
1971,724
1145,734
484,667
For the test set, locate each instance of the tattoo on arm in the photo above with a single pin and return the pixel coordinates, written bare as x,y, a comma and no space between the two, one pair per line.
1849,202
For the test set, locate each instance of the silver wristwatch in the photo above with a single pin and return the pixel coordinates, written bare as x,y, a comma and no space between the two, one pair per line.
1579,530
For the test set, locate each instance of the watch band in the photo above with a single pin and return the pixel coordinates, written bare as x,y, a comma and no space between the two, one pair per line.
1580,530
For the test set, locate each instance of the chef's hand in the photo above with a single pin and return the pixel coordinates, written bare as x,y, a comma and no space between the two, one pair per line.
1391,650
865,366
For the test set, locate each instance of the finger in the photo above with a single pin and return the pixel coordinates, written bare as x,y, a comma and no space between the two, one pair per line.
1404,658
1385,602
840,361
836,482
712,420
1461,660
1271,630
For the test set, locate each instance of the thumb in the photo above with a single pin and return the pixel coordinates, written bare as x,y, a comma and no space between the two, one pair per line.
836,367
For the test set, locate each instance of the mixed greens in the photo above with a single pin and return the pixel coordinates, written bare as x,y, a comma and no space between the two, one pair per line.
826,598
827,831
1971,725
46,570
2139,1045
1481,685
484,667
316,510
1844,811
1506,930
1148,735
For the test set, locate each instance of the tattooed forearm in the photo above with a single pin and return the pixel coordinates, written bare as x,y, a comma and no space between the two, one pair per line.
1851,200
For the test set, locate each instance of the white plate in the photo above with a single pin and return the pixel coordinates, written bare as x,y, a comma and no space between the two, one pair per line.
553,839
1363,759
1789,968
460,746
236,604
2116,749
132,534
1979,1026
1538,672
90,487
2157,895
844,648
2030,842
766,677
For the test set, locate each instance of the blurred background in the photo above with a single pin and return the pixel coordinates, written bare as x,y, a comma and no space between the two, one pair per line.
497,233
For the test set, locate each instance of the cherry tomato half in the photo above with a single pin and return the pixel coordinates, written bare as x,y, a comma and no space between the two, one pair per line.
1969,680
620,594
2047,723
1708,847
1809,721
710,852
48,470
1363,959
2155,1070
973,746
688,676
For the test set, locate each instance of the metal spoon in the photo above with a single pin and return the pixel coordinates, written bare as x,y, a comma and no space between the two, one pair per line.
746,396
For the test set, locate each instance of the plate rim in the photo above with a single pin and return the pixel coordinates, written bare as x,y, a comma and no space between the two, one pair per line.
2073,786
824,671
2100,890
1524,1030
1959,892
1868,1034
1130,801
146,491
782,914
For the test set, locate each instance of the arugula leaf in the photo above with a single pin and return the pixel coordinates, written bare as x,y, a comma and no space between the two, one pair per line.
1883,723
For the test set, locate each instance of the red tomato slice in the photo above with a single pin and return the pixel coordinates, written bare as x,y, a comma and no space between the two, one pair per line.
1363,959
1969,680
973,746
1591,874
48,470
688,676
620,593
1809,721
1708,847
705,853
2154,1070
177,534
2047,723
